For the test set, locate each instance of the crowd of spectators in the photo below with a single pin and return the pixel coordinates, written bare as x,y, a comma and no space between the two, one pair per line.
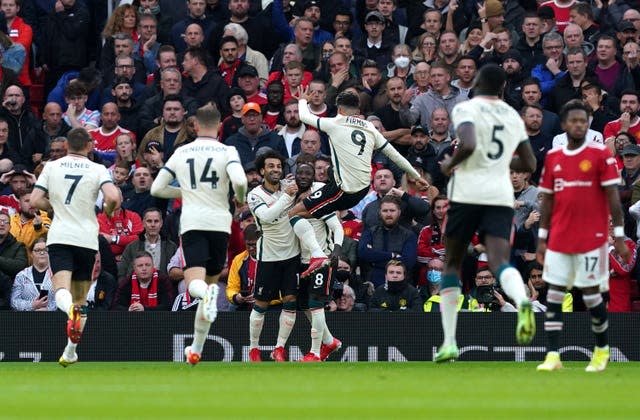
135,77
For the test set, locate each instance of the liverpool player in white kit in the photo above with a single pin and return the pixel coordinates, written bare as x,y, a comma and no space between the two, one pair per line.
580,188
72,183
203,169
481,199
353,141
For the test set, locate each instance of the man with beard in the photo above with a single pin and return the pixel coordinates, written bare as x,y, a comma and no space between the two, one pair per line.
293,129
532,95
313,294
386,240
173,130
439,133
254,179
397,130
628,122
465,72
512,65
421,148
128,107
532,115
278,253
30,223
104,137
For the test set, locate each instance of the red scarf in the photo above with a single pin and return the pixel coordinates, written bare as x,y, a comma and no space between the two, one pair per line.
147,297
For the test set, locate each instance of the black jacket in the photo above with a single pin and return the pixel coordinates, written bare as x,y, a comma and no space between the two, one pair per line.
20,128
406,299
66,38
152,109
212,87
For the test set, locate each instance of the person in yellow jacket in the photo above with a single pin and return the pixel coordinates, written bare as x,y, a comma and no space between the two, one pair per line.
242,274
29,224
434,277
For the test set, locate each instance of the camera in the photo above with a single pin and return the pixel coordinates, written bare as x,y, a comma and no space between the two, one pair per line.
485,296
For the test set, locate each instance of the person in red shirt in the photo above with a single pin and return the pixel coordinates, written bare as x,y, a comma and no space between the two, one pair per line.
19,32
573,237
628,122
562,11
430,240
619,284
120,230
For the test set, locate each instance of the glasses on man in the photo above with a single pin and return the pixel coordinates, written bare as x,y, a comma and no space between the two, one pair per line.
40,251
484,277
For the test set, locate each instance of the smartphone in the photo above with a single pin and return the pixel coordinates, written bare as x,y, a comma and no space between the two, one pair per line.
44,293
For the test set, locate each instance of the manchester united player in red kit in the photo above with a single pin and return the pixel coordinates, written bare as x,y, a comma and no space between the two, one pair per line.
579,185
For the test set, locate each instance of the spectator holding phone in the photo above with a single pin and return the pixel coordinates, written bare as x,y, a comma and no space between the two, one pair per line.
32,288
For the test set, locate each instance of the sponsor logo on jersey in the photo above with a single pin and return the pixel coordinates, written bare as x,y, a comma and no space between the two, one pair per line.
557,168
560,184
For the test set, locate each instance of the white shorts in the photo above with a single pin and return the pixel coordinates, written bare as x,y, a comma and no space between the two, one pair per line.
577,270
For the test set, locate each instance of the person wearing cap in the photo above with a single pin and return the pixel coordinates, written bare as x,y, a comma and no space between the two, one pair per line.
254,179
632,15
232,122
229,60
374,46
547,20
626,32
203,84
196,14
513,65
423,153
561,11
249,81
530,45
253,135
311,10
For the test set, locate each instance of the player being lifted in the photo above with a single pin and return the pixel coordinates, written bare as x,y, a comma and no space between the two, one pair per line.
481,199
72,183
314,292
353,141
203,169
580,187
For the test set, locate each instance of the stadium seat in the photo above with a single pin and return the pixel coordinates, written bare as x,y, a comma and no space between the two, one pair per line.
36,94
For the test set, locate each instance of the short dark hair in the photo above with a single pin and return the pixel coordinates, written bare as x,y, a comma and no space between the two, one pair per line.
348,99
165,48
228,38
573,105
75,88
630,92
531,81
268,154
149,210
251,232
172,98
583,9
200,54
390,199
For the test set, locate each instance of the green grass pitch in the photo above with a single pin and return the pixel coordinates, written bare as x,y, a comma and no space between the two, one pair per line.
461,390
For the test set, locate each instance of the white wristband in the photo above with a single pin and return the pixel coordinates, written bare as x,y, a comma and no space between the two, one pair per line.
618,232
543,233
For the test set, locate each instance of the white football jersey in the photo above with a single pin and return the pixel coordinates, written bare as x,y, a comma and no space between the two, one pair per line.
73,183
353,141
200,168
484,177
278,241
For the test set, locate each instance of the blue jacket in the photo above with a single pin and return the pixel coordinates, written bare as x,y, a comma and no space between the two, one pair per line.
247,148
547,80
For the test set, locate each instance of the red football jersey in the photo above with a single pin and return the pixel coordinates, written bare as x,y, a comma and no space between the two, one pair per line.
576,178
562,13
613,127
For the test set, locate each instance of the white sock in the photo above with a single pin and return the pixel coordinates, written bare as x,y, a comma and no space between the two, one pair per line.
64,300
513,286
197,288
327,337
307,236
70,350
317,330
200,328
287,321
256,321
449,313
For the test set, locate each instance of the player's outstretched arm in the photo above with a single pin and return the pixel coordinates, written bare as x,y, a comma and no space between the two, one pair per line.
112,198
617,217
161,188
525,161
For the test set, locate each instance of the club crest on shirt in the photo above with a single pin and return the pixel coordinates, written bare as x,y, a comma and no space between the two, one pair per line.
585,165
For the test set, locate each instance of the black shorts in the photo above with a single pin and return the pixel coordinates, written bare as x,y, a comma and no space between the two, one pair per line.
317,287
276,278
76,259
331,198
463,220
203,248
